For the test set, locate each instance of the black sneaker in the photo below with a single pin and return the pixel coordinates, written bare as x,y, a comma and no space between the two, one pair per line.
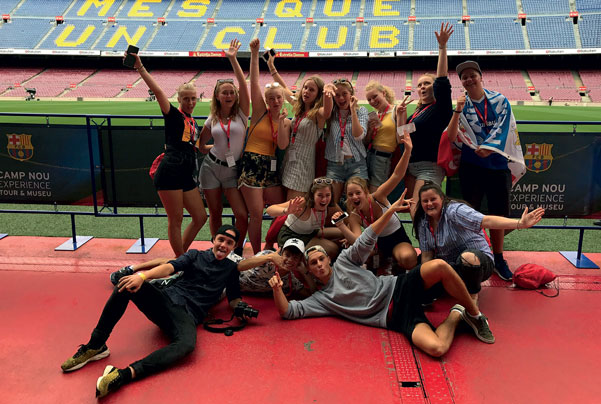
125,271
478,324
84,355
164,282
110,381
502,269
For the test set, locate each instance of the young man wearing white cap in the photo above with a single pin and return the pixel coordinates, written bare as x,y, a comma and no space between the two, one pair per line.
494,162
288,263
392,302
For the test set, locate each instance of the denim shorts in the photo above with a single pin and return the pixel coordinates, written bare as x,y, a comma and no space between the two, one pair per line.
378,168
427,171
350,168
213,175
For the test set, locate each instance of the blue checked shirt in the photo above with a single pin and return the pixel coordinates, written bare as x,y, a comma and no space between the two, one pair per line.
356,144
459,229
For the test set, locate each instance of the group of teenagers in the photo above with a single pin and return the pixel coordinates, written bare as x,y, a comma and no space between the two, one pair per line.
322,265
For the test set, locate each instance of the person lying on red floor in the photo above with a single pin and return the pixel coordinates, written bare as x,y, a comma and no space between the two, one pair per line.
392,302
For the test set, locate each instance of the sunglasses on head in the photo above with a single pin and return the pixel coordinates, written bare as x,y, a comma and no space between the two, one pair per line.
221,81
319,181
343,81
272,85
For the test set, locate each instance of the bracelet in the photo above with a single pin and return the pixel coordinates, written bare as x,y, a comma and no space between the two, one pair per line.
142,276
272,72
456,112
517,226
138,68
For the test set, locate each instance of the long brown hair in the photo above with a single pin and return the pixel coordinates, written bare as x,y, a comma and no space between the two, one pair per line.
299,106
310,196
216,105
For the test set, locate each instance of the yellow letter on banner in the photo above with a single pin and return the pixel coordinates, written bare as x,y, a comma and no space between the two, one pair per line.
122,32
218,41
105,4
270,40
380,38
287,12
327,8
62,38
139,9
323,33
385,10
189,5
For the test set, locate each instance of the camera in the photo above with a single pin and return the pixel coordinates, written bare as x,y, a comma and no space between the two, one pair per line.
243,309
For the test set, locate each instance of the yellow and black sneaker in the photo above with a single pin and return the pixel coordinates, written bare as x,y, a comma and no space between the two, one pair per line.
110,381
84,355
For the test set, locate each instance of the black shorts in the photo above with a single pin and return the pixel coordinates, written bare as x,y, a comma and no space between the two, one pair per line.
176,171
387,243
476,182
287,233
407,309
471,275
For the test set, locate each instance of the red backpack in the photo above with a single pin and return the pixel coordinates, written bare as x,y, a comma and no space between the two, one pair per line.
533,276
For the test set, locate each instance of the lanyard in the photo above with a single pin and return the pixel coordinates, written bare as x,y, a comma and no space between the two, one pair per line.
191,124
274,135
296,124
371,214
418,113
375,131
323,219
483,118
342,129
227,132
433,235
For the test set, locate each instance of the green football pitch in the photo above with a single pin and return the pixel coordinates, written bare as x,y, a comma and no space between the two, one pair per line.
522,113
59,225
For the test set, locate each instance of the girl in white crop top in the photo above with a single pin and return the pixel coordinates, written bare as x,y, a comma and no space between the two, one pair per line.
309,218
365,208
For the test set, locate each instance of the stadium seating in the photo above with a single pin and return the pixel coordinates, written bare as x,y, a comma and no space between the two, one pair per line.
551,32
23,33
500,8
106,83
115,38
592,80
177,36
439,8
337,10
217,40
41,8
588,6
11,77
385,35
557,84
424,38
590,30
193,11
544,7
52,82
74,36
511,37
168,80
286,11
283,36
331,36
240,10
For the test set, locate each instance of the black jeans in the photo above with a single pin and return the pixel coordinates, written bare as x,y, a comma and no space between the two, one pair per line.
173,320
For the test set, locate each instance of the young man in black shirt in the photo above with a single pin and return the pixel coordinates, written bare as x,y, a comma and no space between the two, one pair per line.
176,308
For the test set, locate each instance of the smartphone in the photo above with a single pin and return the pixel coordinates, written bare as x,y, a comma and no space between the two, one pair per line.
130,60
341,217
265,56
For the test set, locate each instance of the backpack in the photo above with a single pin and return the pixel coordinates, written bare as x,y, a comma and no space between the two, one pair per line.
533,276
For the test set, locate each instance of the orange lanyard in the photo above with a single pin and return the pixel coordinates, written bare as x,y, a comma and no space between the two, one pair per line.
227,132
296,124
418,113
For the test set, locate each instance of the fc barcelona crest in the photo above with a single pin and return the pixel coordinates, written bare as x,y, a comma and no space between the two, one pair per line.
19,146
538,157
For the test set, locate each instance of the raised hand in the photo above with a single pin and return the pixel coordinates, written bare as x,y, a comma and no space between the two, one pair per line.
529,219
445,33
460,103
401,108
137,63
254,45
401,204
329,90
276,282
283,114
232,52
406,140
354,102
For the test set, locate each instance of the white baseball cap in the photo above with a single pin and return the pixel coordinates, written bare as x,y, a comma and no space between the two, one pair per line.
296,243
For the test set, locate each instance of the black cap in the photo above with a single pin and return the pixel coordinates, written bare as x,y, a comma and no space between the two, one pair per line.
223,230
468,64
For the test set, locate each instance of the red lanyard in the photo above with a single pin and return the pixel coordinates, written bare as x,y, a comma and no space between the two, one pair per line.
342,129
227,132
483,118
371,214
274,135
296,124
375,131
323,219
191,124
421,111
433,235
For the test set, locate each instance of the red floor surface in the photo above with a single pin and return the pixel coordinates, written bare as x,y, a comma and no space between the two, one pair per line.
50,301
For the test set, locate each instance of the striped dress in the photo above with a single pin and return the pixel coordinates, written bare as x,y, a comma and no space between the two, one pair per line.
299,174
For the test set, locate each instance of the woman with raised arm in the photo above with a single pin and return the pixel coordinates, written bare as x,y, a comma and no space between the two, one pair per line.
311,110
347,127
230,107
309,218
451,230
269,128
429,120
174,177
365,208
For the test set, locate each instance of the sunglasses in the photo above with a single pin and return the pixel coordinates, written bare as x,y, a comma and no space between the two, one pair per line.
319,181
221,81
343,81
272,85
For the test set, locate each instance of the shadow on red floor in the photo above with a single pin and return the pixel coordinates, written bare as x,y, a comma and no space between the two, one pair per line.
50,301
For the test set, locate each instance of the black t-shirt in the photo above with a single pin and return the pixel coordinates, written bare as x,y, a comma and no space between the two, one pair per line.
181,131
431,122
203,281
